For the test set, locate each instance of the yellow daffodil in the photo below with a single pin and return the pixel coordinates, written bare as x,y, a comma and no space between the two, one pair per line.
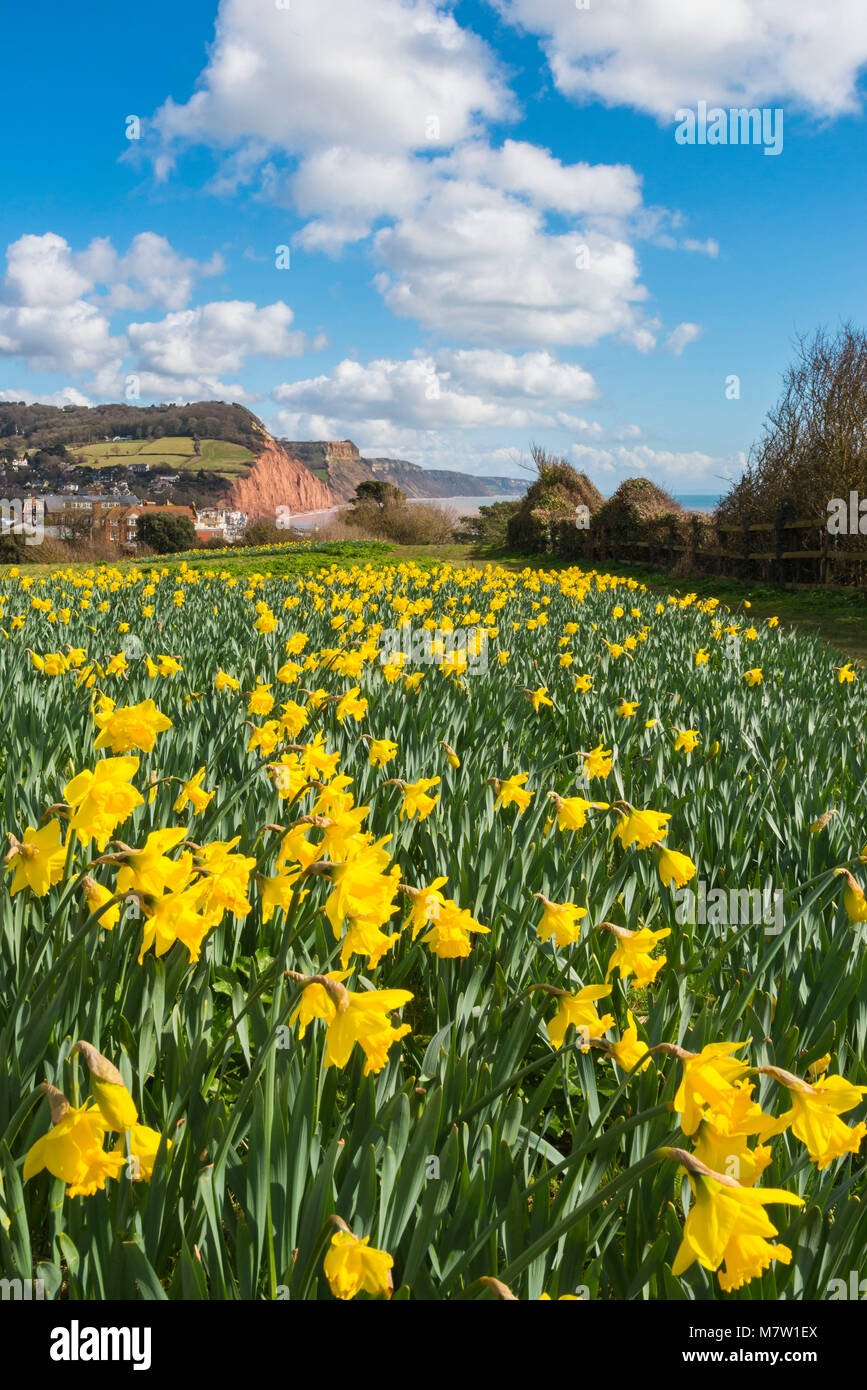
192,794
353,1266
511,792
136,726
578,1010
72,1150
727,1224
643,828
381,751
560,920
707,1082
631,955
37,860
814,1115
674,867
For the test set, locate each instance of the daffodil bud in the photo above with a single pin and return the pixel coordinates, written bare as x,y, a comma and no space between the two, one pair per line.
114,1100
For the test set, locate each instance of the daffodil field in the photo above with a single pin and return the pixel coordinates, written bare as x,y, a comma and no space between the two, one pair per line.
341,958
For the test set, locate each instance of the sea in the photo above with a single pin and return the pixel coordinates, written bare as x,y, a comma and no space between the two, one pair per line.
469,506
461,506
698,501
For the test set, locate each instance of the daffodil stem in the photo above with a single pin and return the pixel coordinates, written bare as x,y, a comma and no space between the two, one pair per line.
602,1194
71,946
19,1117
547,1177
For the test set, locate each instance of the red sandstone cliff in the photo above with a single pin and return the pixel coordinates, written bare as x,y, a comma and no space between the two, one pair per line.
277,480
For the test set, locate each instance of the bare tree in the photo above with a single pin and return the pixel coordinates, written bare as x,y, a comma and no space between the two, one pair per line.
540,459
814,441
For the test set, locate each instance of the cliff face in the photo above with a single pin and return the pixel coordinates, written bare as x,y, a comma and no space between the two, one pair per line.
441,482
277,480
342,450
340,462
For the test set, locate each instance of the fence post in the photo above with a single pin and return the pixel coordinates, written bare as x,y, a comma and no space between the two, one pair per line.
779,528
825,561
719,540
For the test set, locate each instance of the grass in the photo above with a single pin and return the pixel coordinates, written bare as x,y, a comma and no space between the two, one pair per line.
169,444
483,1139
176,451
107,449
836,616
222,453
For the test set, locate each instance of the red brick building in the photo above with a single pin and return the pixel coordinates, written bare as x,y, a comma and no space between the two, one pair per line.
119,525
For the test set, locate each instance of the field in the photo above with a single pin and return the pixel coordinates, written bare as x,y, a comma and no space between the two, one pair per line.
426,931
217,455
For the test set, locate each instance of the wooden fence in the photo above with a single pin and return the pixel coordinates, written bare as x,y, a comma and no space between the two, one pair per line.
787,551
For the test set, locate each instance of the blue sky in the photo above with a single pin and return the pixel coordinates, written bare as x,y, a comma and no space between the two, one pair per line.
434,170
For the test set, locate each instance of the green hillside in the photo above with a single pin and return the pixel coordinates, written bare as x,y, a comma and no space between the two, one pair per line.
50,427
177,452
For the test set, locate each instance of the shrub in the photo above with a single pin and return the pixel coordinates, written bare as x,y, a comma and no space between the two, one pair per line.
490,525
813,445
403,523
167,532
264,531
553,499
12,549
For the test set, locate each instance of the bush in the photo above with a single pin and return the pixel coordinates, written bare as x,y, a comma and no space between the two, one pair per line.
553,499
403,523
636,503
419,524
166,533
264,531
12,549
813,445
489,527
382,493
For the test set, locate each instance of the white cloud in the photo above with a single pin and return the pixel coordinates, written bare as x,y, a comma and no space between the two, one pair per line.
310,76
468,249
476,263
51,314
69,338
586,190
658,55
681,337
452,389
67,395
53,318
214,338
384,136
709,247
528,376
40,273
151,272
695,468
182,389
130,383
345,191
